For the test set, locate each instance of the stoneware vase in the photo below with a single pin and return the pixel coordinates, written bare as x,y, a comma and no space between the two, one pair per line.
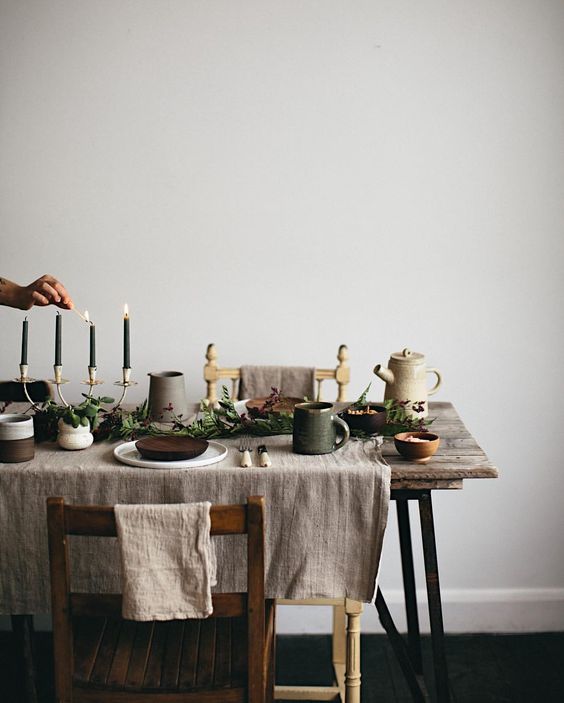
167,396
16,438
72,438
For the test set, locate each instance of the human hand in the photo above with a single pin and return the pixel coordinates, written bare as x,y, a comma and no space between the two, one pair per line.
46,290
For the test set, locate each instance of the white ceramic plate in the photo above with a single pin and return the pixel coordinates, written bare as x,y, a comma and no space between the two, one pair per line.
127,453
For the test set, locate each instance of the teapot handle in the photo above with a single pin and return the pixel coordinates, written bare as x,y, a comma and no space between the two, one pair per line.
435,388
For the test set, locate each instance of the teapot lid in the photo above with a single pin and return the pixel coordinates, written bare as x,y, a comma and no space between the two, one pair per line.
407,356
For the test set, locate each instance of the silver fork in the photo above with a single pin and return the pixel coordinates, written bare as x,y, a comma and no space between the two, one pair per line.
245,449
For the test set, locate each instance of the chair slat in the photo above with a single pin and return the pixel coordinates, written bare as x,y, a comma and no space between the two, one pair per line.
106,651
139,655
88,634
153,672
120,663
206,653
189,661
173,655
222,672
238,652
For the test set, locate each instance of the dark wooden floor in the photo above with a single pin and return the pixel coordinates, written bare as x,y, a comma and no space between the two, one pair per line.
483,668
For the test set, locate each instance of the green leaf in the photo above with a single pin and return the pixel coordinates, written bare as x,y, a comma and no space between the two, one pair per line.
84,421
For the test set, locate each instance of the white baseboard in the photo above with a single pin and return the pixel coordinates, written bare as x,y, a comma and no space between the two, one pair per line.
464,610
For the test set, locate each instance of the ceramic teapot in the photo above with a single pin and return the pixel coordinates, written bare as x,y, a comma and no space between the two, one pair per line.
406,379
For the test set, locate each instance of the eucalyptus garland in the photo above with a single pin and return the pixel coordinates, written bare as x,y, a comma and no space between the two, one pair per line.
212,423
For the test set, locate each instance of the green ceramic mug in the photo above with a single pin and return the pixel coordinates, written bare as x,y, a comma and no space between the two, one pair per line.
315,429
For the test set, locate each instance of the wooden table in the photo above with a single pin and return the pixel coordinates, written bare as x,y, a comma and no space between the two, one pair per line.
458,458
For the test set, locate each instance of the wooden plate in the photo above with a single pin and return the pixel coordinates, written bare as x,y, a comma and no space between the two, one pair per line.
170,448
286,405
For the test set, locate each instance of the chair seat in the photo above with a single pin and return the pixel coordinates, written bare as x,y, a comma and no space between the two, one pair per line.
173,656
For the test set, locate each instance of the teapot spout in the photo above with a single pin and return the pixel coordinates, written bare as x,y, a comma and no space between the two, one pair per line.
385,374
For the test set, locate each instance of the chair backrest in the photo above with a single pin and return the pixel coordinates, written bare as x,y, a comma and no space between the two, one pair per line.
213,373
99,521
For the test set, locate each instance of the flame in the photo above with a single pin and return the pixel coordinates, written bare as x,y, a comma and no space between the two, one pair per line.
125,311
86,316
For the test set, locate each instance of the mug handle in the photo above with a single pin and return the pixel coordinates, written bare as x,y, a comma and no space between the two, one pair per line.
435,388
346,431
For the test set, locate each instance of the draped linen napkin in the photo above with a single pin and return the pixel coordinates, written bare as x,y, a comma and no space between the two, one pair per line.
168,561
293,381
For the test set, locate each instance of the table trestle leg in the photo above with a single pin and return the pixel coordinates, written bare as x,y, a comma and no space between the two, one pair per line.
434,596
410,594
414,680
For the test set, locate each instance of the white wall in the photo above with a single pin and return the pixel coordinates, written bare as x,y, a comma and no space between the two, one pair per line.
282,177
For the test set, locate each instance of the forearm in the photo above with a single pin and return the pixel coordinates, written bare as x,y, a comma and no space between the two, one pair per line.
12,294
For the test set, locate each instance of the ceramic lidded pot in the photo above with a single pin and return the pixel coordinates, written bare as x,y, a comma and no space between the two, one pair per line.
406,379
73,438
16,438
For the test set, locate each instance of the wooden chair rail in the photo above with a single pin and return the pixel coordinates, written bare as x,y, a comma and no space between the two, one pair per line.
99,521
108,605
213,373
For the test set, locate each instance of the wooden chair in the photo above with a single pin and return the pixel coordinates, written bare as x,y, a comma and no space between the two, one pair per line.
213,373
100,657
346,613
11,391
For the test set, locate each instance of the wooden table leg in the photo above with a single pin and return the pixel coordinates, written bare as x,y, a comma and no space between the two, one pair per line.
22,628
353,609
434,595
410,594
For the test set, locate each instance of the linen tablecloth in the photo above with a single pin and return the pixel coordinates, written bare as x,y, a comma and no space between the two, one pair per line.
324,526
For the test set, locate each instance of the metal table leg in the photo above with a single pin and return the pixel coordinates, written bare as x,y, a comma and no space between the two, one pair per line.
410,595
434,595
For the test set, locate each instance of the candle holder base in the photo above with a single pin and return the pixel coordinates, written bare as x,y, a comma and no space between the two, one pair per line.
125,384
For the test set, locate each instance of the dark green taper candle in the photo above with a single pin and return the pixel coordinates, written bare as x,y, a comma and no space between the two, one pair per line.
58,339
92,345
23,359
126,358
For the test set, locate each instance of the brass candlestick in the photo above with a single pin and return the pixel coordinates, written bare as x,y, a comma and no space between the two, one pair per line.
24,379
92,380
59,381
125,383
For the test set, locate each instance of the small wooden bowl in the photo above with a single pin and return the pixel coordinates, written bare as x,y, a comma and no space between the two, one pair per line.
370,423
170,448
418,452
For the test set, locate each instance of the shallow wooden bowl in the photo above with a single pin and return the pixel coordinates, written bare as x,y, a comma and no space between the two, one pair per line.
170,448
418,452
286,405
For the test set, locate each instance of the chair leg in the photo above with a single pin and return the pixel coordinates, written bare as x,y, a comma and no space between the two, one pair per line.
22,628
339,647
353,609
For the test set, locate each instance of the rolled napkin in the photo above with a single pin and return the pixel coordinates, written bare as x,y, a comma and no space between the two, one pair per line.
293,381
167,559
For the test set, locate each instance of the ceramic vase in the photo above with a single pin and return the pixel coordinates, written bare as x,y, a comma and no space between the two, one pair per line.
72,438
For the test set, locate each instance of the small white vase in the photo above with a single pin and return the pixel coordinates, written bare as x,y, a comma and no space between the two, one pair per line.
70,437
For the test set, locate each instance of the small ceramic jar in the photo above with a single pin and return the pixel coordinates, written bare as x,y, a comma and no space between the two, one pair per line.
71,438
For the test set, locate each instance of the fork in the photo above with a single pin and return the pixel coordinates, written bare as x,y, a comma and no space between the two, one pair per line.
245,449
